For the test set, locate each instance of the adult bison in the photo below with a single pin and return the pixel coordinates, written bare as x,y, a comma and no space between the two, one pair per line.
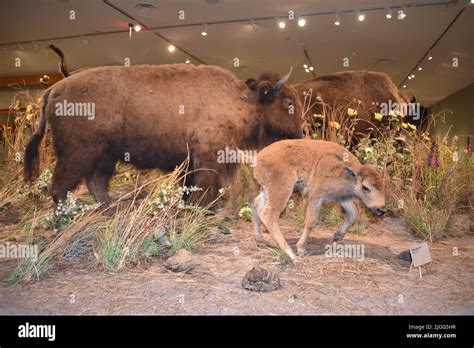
152,116
346,89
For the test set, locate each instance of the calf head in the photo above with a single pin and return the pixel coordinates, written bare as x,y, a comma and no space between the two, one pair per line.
369,188
278,108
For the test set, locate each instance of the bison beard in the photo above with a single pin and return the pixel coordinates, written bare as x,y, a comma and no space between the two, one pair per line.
155,116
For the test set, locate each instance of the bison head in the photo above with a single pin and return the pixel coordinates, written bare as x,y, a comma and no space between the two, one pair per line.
369,188
278,108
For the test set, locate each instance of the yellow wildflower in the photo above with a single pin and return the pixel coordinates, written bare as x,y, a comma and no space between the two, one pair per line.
318,115
351,112
404,125
44,79
378,116
334,124
412,126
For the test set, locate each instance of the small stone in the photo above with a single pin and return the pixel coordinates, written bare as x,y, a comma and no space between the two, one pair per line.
259,279
405,255
182,262
224,230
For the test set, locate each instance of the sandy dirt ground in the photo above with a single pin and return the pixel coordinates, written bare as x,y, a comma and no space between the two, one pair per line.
381,283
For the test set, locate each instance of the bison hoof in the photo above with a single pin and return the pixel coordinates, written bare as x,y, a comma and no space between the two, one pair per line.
301,252
337,237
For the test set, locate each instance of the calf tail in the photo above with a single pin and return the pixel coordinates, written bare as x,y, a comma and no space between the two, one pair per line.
31,168
62,64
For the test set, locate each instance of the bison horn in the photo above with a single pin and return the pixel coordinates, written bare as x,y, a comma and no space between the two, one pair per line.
277,86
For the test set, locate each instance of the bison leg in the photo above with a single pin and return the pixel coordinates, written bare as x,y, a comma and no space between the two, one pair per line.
351,213
67,175
208,180
98,182
257,207
277,199
310,221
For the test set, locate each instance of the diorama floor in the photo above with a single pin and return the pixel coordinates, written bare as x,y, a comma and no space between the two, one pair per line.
381,283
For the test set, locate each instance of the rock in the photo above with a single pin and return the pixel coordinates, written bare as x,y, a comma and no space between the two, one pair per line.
224,230
405,255
182,262
259,279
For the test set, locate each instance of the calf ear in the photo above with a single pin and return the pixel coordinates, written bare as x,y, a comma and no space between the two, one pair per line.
350,172
251,84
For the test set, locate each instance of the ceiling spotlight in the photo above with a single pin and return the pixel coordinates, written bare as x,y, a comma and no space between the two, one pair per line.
187,61
388,15
412,76
404,86
409,77
430,57
281,24
360,16
420,68
305,66
171,48
401,13
137,27
472,1
145,7
307,70
311,68
338,20
204,30
301,22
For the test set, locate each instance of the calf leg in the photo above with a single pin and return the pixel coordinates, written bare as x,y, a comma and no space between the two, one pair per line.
351,213
277,198
257,207
310,221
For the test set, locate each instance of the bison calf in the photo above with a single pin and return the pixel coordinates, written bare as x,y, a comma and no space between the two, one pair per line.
324,172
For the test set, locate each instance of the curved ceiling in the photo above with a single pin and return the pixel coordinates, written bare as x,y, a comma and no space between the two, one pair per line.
98,36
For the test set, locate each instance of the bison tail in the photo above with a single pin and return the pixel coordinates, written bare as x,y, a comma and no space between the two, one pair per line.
31,168
62,63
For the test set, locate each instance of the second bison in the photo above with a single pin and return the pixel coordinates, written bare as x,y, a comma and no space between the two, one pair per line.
324,172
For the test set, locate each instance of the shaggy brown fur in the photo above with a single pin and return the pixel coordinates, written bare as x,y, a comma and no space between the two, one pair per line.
138,117
324,172
341,88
